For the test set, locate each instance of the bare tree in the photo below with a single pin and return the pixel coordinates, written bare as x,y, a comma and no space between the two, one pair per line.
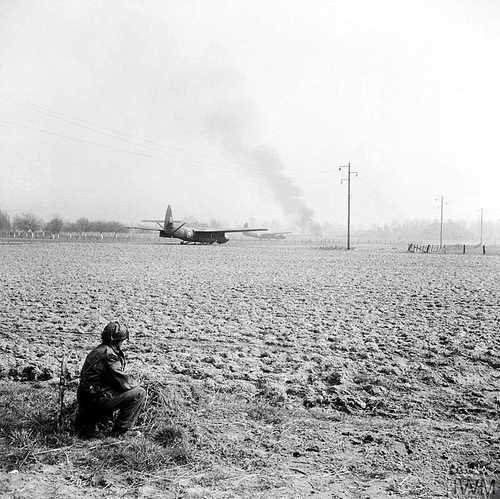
86,225
82,225
27,222
4,221
106,226
55,225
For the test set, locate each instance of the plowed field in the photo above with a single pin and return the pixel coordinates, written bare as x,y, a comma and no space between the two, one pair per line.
383,365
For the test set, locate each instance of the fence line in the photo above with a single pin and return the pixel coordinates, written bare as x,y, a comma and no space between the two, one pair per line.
452,249
71,236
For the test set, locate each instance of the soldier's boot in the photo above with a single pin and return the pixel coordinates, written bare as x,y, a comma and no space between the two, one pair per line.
86,424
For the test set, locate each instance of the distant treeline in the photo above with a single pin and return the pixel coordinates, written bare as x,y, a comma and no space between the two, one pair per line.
409,230
424,230
420,230
28,222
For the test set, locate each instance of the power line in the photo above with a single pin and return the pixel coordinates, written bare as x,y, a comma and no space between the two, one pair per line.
82,124
145,154
149,145
69,137
147,150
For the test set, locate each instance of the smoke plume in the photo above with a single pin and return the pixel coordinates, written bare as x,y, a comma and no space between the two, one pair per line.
235,128
216,95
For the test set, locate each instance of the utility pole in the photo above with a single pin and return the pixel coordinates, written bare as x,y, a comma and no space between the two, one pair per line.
441,229
348,179
481,238
442,220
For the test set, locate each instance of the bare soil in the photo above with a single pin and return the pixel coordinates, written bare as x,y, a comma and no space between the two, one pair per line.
289,371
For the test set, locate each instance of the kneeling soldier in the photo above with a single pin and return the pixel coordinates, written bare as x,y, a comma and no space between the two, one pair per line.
105,388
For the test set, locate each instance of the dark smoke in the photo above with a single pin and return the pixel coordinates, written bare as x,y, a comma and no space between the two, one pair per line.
234,130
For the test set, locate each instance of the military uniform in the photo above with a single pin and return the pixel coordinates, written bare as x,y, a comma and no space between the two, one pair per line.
105,388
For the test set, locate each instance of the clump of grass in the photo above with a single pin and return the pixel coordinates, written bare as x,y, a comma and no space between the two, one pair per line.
263,411
169,436
33,406
273,393
29,422
268,402
21,438
170,415
139,454
174,439
23,443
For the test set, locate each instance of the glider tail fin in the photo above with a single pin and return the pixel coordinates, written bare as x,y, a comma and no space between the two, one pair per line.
169,220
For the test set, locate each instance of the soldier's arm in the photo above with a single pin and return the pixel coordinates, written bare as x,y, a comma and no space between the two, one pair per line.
116,376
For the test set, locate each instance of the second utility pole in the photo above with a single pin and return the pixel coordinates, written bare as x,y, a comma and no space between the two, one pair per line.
481,238
348,166
441,228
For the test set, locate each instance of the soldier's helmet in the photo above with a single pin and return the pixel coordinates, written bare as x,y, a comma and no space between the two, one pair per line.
113,332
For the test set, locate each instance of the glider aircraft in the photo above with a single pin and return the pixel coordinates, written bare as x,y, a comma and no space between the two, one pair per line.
177,229
267,235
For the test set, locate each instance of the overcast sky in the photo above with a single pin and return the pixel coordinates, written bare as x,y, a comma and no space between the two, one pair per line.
243,110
